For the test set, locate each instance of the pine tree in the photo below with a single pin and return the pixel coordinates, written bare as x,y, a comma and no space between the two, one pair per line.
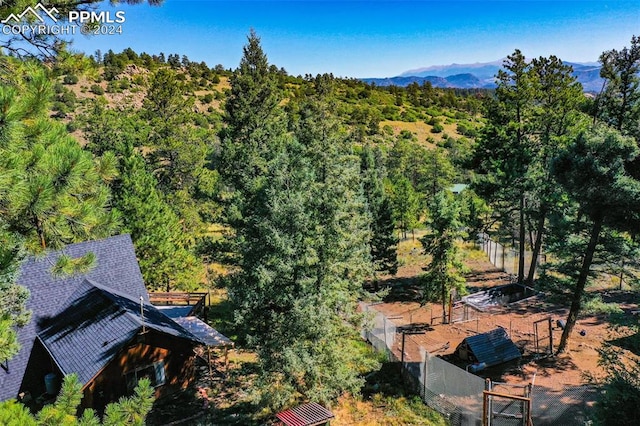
51,191
592,171
12,297
161,245
405,203
555,119
302,236
255,124
383,243
619,102
443,271
128,411
503,154
56,192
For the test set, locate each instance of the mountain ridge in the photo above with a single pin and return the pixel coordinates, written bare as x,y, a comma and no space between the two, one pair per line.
479,75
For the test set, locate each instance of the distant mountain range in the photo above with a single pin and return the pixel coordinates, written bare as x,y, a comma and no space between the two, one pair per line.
479,76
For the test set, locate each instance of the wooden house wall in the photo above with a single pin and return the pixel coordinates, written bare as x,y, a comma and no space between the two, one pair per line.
110,384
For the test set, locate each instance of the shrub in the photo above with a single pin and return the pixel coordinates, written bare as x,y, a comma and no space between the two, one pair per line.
138,80
72,126
96,89
70,79
113,86
437,128
208,98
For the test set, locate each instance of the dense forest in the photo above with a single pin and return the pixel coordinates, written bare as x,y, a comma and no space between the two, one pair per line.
291,193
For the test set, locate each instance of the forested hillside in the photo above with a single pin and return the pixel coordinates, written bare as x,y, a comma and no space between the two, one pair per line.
162,118
292,193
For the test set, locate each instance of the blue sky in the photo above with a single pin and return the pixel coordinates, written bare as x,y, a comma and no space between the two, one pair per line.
374,38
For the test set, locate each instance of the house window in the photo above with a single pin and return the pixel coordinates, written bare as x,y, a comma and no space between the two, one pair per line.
153,372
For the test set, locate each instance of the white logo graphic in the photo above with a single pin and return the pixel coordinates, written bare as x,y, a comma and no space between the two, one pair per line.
34,12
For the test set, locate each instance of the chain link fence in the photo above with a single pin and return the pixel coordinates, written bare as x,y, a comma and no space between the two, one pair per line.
504,257
457,393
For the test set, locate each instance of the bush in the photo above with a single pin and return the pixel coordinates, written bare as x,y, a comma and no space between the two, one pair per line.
208,98
68,98
138,80
96,89
437,128
618,404
72,126
70,79
596,306
113,86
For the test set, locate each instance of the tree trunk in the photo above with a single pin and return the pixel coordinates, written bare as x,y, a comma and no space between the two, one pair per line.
444,304
621,273
537,246
521,241
40,231
582,281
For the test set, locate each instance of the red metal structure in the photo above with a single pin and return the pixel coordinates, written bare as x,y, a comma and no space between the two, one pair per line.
311,414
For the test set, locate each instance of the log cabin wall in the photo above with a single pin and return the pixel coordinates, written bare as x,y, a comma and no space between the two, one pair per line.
178,362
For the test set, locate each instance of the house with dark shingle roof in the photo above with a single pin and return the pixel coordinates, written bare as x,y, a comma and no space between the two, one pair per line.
101,326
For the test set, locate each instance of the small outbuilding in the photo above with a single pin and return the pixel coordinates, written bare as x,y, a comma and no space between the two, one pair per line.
487,349
311,414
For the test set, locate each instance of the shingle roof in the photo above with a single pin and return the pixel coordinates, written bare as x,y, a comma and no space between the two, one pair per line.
84,320
493,347
116,266
95,324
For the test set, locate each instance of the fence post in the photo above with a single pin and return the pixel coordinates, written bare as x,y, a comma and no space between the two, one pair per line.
550,338
384,328
528,404
488,407
424,380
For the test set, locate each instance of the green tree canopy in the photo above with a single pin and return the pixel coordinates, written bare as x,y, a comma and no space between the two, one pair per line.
592,171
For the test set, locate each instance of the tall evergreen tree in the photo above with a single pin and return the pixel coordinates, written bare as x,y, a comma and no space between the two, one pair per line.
554,120
255,124
56,192
383,243
592,171
443,271
406,204
619,102
340,240
503,154
51,191
161,245
301,231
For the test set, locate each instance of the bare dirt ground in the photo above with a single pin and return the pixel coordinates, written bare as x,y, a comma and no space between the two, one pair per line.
554,377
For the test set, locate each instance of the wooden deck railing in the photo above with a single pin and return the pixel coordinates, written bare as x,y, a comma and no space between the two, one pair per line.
197,300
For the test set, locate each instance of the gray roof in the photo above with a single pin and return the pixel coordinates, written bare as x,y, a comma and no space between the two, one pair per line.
95,324
493,347
116,266
205,334
117,283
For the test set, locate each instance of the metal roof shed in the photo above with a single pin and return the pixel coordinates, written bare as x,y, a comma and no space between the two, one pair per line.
310,414
491,348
